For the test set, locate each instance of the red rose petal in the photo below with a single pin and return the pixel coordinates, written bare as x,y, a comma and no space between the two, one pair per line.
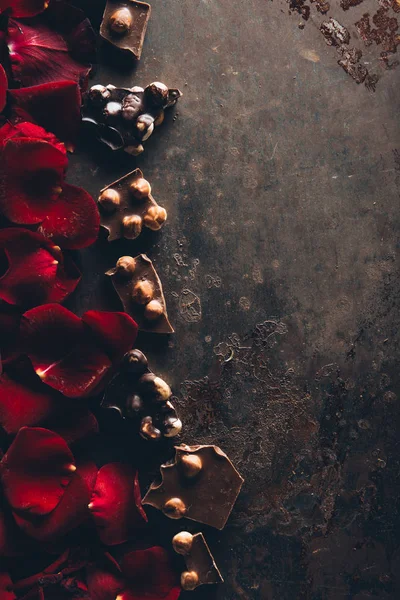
33,172
116,503
74,424
70,512
150,574
104,584
28,130
115,331
24,8
73,221
35,471
6,592
44,104
36,271
3,88
10,318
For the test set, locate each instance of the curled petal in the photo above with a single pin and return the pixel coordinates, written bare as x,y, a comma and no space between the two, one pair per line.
35,270
150,574
115,331
26,129
104,584
24,8
6,584
35,471
116,503
3,88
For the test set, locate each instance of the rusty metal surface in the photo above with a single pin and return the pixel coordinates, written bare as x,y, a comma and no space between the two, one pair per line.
279,262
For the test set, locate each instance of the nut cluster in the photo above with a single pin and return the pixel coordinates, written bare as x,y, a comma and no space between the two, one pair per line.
126,117
190,466
147,402
200,563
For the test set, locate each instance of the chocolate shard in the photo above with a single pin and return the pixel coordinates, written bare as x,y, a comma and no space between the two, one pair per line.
140,290
124,25
127,205
202,485
200,563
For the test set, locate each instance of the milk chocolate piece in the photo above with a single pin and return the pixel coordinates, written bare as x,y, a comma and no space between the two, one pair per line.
206,494
126,206
137,284
200,563
124,25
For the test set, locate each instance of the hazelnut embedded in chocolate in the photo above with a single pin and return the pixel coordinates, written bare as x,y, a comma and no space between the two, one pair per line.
112,110
153,310
189,580
182,542
109,200
155,217
148,431
131,107
143,291
156,94
144,127
174,508
120,21
132,226
172,426
155,387
134,405
191,465
135,362
125,266
99,94
140,188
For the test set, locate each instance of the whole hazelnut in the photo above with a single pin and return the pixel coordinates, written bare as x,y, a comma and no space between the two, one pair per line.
172,427
174,508
112,110
159,118
120,21
143,291
126,266
135,362
182,542
136,89
134,150
189,580
155,387
109,200
98,94
191,465
156,94
148,431
144,126
132,226
131,107
140,188
153,310
155,217
134,405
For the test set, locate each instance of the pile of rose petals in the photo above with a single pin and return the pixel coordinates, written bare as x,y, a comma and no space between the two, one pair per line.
71,525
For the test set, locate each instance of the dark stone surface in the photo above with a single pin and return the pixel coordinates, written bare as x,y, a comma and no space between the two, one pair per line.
279,262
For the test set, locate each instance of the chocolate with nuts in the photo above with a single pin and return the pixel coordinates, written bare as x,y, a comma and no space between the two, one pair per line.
124,25
137,284
200,563
127,205
202,484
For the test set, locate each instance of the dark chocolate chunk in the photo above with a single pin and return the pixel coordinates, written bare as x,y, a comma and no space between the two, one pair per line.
200,563
137,284
202,484
126,206
126,117
124,25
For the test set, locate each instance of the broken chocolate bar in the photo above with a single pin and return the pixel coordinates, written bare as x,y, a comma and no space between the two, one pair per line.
124,118
200,563
202,485
137,284
124,25
138,396
126,206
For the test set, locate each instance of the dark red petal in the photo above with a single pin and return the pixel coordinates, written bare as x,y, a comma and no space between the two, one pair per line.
3,88
24,8
70,512
36,272
74,367
115,331
116,503
10,317
26,129
6,592
74,424
33,172
150,574
103,584
44,104
73,221
35,471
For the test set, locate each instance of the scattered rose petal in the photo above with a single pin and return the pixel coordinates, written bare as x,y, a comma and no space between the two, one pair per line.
116,503
28,130
10,317
35,471
113,331
35,271
3,88
73,424
104,584
24,8
6,592
150,574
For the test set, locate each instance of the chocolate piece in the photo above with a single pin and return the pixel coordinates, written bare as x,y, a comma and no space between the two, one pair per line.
140,290
142,399
126,206
206,494
124,118
124,25
200,563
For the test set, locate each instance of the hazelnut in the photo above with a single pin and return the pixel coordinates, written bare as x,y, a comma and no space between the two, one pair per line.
98,94
109,200
159,118
182,542
134,150
135,362
174,508
126,266
153,310
134,405
132,226
156,94
136,89
112,110
189,580
140,188
148,431
131,106
172,427
155,217
155,386
191,465
120,21
145,126
143,291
